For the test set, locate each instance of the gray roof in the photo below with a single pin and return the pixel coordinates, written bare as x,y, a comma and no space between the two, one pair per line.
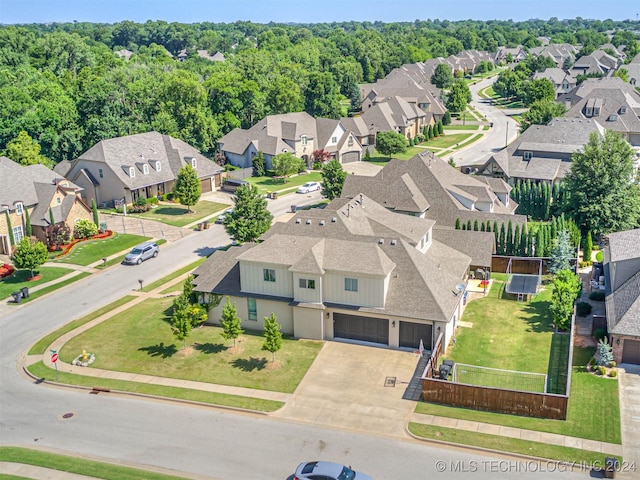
619,108
623,308
433,183
479,245
624,245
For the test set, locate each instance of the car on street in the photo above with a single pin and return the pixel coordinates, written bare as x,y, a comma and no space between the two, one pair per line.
309,187
220,218
141,252
328,471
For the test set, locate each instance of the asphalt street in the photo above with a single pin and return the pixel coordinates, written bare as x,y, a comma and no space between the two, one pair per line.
202,441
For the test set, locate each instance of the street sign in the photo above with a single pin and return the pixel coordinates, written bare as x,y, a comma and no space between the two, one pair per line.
54,358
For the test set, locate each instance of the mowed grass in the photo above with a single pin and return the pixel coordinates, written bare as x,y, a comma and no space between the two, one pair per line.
270,184
91,251
447,141
80,466
20,279
176,214
139,340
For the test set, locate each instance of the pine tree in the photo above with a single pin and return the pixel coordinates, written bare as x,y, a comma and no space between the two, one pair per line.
458,226
230,322
94,209
509,239
488,225
272,336
516,240
475,225
482,227
588,247
469,224
501,242
27,220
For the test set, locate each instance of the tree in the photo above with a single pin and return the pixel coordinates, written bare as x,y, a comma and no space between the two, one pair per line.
440,127
458,224
286,164
588,247
321,96
250,218
390,143
25,151
94,210
30,254
538,90
27,221
187,187
446,119
180,321
322,156
272,336
442,76
601,196
333,177
458,97
561,253
566,286
258,165
604,353
542,112
230,322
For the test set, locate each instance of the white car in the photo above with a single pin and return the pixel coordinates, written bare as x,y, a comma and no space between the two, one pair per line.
309,187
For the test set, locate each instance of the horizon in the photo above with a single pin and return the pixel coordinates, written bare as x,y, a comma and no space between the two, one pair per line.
290,12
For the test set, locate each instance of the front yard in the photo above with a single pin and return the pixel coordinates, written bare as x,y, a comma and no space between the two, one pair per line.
19,279
91,251
176,214
289,185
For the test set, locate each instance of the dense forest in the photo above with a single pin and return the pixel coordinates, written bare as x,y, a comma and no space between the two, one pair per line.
64,85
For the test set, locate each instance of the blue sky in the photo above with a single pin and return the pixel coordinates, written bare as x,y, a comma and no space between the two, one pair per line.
305,11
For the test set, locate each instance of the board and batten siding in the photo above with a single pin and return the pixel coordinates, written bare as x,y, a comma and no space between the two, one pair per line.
371,290
622,271
252,279
264,308
307,295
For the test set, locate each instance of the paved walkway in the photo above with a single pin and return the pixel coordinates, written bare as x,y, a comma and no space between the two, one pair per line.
38,473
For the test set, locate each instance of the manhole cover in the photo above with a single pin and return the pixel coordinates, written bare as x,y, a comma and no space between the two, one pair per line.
390,381
67,415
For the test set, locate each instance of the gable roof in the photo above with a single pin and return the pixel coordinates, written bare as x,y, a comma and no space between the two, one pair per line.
624,245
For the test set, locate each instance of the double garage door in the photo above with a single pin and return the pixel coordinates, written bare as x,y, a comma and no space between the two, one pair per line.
366,329
631,351
350,157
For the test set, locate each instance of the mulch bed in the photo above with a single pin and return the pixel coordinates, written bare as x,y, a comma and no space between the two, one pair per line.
66,249
6,270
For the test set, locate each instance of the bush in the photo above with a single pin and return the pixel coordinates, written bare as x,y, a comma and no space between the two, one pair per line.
583,309
602,371
613,373
584,263
229,168
317,165
597,295
612,364
599,256
85,229
152,201
599,334
592,362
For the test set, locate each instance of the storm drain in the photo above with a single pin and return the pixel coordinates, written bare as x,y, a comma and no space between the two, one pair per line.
67,415
390,381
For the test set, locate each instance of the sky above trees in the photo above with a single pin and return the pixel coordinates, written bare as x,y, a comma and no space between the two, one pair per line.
192,11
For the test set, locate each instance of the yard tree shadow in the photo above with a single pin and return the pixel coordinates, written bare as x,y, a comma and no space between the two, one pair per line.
166,210
540,319
250,364
160,350
208,348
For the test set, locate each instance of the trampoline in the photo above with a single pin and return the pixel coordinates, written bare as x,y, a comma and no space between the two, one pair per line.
522,284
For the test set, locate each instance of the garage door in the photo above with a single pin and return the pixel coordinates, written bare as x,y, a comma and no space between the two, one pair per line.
350,157
631,351
205,185
367,329
412,333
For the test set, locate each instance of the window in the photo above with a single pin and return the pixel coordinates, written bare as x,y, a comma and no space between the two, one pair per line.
303,139
19,208
158,166
100,173
334,139
589,112
194,163
58,200
306,283
145,168
132,172
528,155
17,233
351,284
350,141
596,112
269,274
252,309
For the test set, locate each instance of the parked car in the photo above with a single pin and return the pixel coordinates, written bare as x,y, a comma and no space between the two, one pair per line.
309,187
141,252
232,184
327,470
220,218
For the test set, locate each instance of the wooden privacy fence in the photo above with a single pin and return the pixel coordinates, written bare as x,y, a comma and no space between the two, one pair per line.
530,404
524,265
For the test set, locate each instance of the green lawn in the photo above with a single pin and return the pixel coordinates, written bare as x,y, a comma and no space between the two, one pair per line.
460,127
507,444
145,345
171,276
80,466
447,141
19,279
594,408
90,251
270,184
176,214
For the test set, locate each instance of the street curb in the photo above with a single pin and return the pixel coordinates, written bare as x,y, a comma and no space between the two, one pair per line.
145,395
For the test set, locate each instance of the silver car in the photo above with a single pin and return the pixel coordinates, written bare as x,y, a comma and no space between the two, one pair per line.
141,252
328,471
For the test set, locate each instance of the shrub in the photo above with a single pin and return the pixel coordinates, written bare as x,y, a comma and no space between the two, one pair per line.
152,201
612,364
229,168
597,295
583,263
317,165
602,371
604,354
583,309
85,229
613,373
592,362
599,256
599,334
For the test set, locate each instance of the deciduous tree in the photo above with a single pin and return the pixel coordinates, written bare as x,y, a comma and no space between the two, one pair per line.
30,254
390,143
230,322
187,187
272,336
333,177
250,218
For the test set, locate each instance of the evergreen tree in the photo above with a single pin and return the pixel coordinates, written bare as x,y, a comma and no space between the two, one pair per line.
524,235
440,127
547,201
539,250
250,218
230,322
446,120
51,219
501,242
516,240
588,247
431,132
529,244
258,164
488,225
464,226
509,239
12,241
469,224
495,234
180,321
425,132
561,253
94,209
475,225
367,155
458,226
482,227
187,187
272,336
27,220
554,227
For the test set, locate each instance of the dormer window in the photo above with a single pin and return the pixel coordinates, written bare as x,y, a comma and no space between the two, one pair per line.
303,139
623,110
596,112
528,155
158,166
132,172
19,208
194,162
589,112
145,169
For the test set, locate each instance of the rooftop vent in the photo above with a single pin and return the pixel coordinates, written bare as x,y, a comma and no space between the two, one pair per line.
308,222
321,222
381,241
297,220
334,220
393,242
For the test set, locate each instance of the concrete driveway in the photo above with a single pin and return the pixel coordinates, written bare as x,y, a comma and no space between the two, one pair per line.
345,389
630,419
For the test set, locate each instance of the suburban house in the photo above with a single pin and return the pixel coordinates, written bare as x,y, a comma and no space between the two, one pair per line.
39,193
145,165
517,54
561,80
353,270
622,283
428,187
394,114
609,100
543,152
561,53
590,64
633,71
217,57
298,133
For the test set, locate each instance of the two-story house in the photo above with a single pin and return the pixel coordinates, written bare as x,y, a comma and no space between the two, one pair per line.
39,194
622,283
353,270
297,133
561,80
144,165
